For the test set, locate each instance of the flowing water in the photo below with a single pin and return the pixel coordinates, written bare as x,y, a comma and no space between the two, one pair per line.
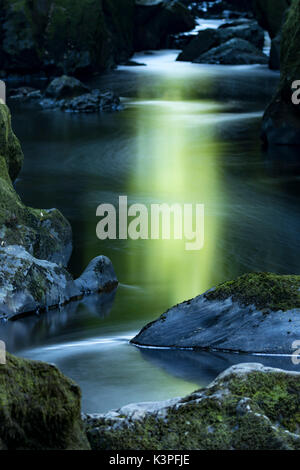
188,134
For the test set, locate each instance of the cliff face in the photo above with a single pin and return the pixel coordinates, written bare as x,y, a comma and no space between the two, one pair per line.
71,36
281,122
270,14
75,37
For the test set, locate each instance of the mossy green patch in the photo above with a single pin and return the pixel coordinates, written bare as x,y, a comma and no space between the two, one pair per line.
257,410
39,407
43,233
266,291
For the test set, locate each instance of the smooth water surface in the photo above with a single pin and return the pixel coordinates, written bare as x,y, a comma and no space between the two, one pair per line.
188,134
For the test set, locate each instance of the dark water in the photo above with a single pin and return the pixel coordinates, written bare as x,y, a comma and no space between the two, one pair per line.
188,133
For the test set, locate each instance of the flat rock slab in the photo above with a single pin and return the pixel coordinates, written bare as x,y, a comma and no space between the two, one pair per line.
226,324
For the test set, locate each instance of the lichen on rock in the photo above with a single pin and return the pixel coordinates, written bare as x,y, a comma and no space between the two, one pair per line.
248,407
45,233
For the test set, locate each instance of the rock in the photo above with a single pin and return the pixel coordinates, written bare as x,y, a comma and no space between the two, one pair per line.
59,36
204,41
250,31
24,93
95,101
133,63
45,234
30,285
270,14
92,102
155,22
65,87
274,62
248,407
281,121
256,313
39,408
233,52
210,38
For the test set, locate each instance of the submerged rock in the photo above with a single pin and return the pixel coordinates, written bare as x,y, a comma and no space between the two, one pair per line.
248,407
28,284
45,234
233,52
257,313
281,121
39,408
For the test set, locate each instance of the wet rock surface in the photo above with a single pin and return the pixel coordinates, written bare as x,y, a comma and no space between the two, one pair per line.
257,313
65,37
28,284
35,245
39,408
247,407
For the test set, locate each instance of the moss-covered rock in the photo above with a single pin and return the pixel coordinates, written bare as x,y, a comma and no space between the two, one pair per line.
46,234
256,313
248,407
40,408
66,36
281,122
264,290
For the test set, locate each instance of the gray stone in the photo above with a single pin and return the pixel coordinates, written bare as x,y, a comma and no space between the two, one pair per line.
248,407
28,284
238,316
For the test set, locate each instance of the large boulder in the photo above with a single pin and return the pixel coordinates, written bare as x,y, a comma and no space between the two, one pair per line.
66,36
156,21
248,407
203,42
40,408
270,14
207,39
28,284
45,234
256,313
65,87
281,122
233,52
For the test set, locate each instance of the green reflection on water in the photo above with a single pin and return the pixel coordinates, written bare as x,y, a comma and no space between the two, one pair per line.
176,160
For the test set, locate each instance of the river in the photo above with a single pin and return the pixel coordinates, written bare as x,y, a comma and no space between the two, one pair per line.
188,133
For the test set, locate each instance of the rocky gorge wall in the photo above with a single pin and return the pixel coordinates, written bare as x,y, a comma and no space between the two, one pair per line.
281,122
79,37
